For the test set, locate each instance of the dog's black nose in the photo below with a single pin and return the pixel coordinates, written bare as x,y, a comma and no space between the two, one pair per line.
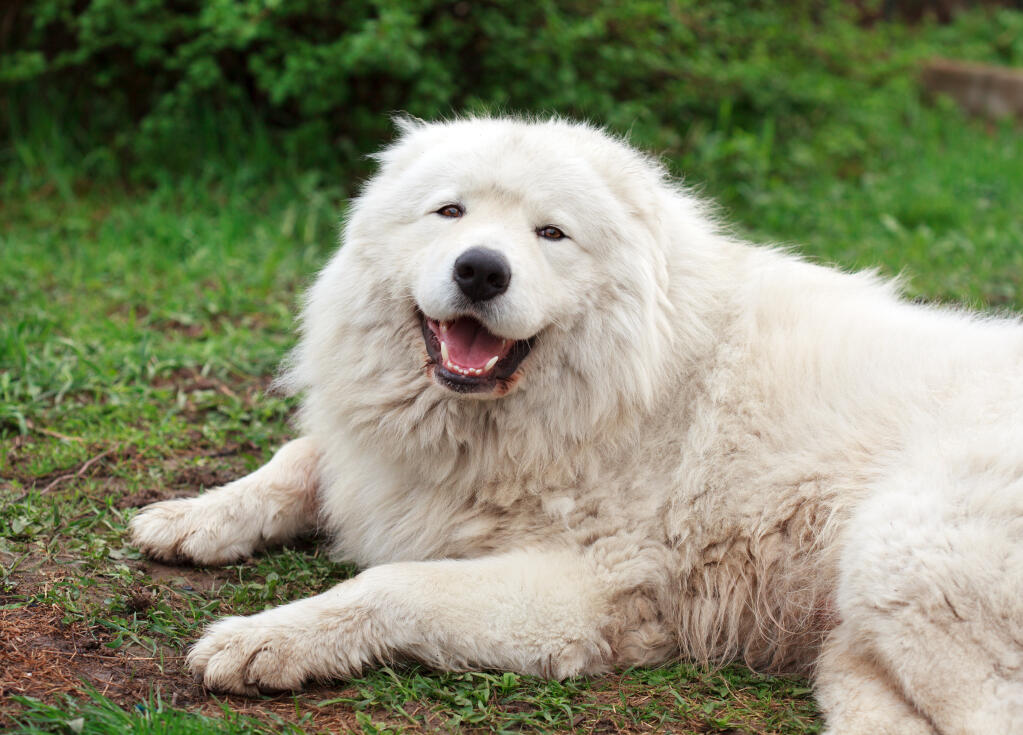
482,273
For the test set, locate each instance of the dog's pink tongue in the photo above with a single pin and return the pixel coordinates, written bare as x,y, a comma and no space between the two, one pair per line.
471,345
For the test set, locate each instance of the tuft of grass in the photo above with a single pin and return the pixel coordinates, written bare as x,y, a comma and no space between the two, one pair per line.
99,715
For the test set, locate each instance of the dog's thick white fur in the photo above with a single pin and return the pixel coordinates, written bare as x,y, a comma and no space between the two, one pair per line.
712,450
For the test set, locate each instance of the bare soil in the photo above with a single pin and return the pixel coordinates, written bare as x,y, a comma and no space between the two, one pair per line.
42,656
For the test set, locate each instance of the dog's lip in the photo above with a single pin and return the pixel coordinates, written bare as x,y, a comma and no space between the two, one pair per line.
448,374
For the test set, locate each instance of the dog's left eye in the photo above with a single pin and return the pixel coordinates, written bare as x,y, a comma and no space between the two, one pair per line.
451,210
550,232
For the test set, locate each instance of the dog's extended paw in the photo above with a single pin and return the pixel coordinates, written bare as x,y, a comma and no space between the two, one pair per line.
247,656
191,530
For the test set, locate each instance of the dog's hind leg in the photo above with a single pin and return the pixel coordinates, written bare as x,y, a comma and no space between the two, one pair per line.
539,612
858,695
271,505
931,594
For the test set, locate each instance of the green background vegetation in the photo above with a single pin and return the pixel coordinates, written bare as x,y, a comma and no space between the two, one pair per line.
172,174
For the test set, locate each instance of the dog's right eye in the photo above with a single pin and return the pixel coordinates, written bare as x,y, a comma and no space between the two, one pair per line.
451,210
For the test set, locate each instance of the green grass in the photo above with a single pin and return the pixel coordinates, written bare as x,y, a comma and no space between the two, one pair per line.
938,203
99,716
678,698
141,324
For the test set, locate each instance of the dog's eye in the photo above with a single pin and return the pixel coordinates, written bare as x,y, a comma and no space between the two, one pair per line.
550,232
451,210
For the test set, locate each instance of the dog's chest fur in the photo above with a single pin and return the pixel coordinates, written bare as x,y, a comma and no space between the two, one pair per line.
699,544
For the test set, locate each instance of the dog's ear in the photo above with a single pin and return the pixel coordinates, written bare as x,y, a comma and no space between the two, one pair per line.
407,124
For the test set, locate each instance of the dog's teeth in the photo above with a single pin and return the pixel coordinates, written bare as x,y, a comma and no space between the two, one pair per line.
443,327
490,364
463,370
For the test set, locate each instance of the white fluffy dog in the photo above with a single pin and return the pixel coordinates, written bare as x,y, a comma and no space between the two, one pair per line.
569,425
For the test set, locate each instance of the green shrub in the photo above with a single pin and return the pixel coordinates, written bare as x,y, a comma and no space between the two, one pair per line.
162,84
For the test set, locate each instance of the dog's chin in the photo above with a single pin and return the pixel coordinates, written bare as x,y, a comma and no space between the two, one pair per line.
467,358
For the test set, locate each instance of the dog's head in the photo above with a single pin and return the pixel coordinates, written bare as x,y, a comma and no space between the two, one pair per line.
495,257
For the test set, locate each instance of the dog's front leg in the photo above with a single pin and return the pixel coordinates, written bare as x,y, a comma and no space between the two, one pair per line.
534,612
270,505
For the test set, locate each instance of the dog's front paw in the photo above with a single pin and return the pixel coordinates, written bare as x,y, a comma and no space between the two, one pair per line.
191,529
247,656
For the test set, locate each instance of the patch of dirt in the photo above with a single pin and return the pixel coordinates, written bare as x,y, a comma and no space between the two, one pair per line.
206,467
144,497
206,476
185,577
41,656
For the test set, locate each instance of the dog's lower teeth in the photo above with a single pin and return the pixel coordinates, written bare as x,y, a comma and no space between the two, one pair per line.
467,371
464,370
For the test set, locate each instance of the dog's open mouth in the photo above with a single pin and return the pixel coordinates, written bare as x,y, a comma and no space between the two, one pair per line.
467,357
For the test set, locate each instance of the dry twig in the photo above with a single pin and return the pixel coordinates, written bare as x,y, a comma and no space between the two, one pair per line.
54,434
81,471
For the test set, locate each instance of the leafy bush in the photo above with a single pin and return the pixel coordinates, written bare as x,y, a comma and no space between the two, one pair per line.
169,82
